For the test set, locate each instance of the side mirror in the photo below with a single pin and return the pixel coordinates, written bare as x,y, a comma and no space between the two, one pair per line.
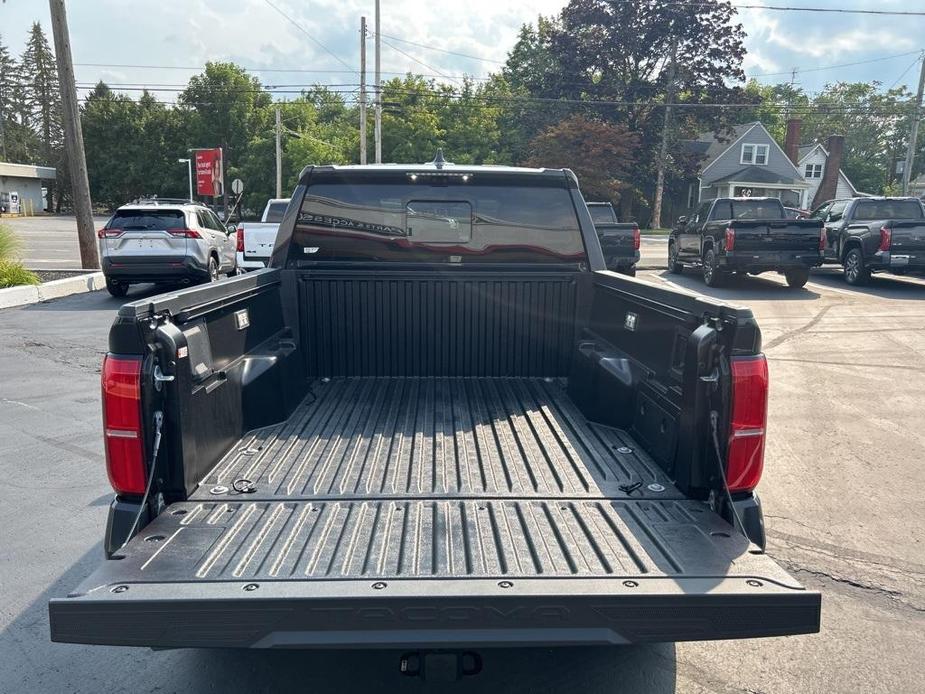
681,221
231,229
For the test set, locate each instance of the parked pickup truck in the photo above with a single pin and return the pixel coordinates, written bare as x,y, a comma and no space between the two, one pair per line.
255,239
745,236
619,240
434,422
866,235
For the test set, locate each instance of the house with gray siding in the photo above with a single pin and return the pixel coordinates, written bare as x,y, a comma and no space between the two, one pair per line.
746,163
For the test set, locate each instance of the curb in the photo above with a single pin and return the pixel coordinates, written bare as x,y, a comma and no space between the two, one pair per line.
34,293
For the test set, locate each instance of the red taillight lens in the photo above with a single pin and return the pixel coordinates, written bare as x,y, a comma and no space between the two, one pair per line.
187,233
636,238
745,451
108,233
121,381
822,239
730,239
239,239
886,238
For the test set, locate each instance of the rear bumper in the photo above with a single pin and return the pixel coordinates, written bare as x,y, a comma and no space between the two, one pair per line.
767,261
432,613
899,263
153,268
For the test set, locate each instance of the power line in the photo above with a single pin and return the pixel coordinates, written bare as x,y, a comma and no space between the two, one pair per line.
786,8
304,31
832,67
441,50
918,58
408,55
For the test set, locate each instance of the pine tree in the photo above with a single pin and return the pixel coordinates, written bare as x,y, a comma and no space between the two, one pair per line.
42,98
18,142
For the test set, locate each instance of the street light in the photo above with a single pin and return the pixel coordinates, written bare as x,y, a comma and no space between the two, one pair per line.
189,168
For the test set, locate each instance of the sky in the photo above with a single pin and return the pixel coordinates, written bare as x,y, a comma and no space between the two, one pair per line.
321,43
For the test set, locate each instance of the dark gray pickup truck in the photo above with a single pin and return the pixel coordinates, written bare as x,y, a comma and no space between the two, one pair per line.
619,240
867,235
434,422
745,236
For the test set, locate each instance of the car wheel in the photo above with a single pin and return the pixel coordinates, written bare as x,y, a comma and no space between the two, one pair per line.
797,278
674,265
712,275
213,269
856,272
117,289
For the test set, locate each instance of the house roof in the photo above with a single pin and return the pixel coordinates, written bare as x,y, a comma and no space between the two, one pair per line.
712,145
804,151
757,174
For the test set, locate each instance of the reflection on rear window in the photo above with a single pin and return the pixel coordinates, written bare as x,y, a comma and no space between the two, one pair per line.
276,212
602,214
147,220
889,209
748,209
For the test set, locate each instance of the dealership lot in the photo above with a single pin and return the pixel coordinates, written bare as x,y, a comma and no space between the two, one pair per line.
841,491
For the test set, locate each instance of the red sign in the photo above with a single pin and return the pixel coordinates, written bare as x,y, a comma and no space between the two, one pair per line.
209,171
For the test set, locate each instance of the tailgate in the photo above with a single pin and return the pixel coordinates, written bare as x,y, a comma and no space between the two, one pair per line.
433,572
259,240
777,235
617,239
908,238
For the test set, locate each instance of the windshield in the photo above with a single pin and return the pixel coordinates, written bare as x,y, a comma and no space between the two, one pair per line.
148,220
438,220
888,209
276,211
748,209
602,214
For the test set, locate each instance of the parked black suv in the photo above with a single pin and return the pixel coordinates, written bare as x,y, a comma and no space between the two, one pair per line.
866,235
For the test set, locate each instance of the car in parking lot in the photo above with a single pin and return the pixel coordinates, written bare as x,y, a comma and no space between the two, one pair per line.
868,235
164,241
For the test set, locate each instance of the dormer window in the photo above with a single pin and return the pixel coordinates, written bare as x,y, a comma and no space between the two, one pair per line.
813,171
755,154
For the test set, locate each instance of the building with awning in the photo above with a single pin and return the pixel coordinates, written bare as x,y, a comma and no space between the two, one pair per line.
28,182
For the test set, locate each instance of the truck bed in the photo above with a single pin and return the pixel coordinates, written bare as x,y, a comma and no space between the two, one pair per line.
488,509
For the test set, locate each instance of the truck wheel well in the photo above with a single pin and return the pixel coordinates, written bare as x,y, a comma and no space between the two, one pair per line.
847,246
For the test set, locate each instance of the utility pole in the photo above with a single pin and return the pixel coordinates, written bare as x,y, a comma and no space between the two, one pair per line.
378,126
362,90
914,130
663,148
279,156
73,138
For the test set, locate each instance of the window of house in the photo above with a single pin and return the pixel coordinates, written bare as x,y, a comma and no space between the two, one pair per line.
755,154
813,171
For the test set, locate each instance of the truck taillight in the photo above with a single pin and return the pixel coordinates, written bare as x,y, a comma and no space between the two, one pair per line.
636,238
730,239
745,450
886,238
185,233
239,239
122,436
108,233
822,239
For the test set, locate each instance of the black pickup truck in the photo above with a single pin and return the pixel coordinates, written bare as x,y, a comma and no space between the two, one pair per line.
866,235
745,236
434,422
619,240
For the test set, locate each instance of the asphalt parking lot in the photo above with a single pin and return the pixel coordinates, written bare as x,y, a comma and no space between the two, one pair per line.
842,493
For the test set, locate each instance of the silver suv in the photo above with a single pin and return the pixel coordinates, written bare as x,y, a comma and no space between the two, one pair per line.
165,241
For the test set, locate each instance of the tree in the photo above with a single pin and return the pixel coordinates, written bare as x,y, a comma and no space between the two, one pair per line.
42,102
17,141
600,154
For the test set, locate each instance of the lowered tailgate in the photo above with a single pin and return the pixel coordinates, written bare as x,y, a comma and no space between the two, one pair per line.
366,531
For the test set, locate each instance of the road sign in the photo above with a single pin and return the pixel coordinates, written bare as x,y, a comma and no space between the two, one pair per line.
237,185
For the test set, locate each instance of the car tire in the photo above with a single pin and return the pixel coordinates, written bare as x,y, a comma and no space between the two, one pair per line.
856,272
674,265
797,278
213,269
117,289
712,275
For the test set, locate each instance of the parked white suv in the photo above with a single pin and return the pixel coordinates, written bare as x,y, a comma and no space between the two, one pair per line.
165,241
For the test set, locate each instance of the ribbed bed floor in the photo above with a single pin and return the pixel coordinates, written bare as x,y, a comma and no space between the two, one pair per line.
435,438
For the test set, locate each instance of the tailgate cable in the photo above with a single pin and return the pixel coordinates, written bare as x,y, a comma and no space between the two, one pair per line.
714,425
158,422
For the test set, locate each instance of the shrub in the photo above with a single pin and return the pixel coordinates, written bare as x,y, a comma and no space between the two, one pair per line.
13,274
9,244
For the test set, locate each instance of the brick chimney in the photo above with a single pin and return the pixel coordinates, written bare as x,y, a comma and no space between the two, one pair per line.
826,191
792,142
